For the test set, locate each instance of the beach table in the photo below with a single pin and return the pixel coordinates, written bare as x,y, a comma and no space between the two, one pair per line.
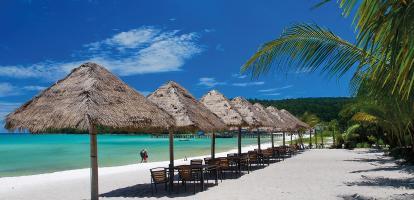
201,169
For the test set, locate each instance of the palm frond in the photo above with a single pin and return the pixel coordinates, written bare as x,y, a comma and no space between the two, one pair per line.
306,47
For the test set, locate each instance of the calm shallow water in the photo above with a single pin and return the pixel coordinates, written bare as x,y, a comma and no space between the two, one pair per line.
25,154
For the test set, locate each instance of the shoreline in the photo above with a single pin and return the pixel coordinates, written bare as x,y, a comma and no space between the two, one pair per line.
66,175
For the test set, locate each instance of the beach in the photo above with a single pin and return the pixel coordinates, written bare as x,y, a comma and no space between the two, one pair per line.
313,174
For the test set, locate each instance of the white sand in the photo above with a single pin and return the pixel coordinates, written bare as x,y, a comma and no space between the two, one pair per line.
314,174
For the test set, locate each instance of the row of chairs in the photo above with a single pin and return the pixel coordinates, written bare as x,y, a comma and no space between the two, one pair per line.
217,168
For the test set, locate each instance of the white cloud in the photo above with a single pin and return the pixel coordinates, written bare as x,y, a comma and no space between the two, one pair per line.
235,75
273,94
248,84
210,82
7,89
276,89
34,88
6,108
137,51
209,30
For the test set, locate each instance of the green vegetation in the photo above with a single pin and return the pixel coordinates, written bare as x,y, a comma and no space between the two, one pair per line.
326,108
382,57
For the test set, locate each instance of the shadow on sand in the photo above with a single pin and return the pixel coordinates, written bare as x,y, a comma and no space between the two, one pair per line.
144,190
407,183
382,163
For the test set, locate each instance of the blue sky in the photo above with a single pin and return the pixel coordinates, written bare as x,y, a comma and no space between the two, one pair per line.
199,44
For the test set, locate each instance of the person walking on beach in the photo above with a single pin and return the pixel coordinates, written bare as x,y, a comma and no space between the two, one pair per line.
144,155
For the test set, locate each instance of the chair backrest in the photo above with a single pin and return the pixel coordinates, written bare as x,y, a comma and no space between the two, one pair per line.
224,163
185,172
196,162
267,152
158,174
209,161
232,155
252,155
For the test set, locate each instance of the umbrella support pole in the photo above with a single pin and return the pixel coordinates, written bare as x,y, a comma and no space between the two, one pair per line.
213,146
284,139
273,141
258,141
310,138
239,151
94,162
171,166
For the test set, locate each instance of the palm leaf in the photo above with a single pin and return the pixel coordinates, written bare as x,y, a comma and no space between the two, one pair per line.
306,47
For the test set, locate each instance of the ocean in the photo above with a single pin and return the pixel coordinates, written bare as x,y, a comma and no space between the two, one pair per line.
28,154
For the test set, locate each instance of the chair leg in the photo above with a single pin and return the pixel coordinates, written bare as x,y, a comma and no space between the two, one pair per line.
185,186
152,189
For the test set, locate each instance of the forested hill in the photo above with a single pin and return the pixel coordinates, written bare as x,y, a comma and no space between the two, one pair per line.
326,108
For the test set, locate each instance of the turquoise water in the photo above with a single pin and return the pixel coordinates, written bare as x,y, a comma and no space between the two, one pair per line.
26,154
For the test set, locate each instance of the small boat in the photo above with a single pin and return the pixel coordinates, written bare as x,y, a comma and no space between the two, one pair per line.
183,140
224,136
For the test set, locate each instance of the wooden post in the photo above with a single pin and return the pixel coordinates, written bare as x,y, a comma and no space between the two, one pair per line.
213,146
273,141
322,139
291,135
94,161
316,138
258,140
239,151
171,166
310,138
284,141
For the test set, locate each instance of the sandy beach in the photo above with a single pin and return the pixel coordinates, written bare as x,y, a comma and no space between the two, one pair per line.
313,174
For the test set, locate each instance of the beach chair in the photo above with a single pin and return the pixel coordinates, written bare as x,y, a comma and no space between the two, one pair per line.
254,158
214,169
267,155
225,166
187,175
158,176
196,162
244,162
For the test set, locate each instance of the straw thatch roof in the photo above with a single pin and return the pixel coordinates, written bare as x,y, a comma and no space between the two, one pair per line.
266,115
221,106
94,91
189,114
299,122
250,114
285,121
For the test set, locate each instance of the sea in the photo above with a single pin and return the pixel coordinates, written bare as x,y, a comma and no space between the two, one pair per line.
29,154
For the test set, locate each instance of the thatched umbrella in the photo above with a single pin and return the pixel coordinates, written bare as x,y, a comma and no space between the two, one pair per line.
298,121
89,99
221,106
299,124
189,114
287,124
251,115
269,118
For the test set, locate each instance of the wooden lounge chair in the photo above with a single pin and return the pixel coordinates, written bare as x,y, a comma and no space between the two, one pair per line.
245,162
225,166
187,175
158,176
196,162
214,170
267,155
254,158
